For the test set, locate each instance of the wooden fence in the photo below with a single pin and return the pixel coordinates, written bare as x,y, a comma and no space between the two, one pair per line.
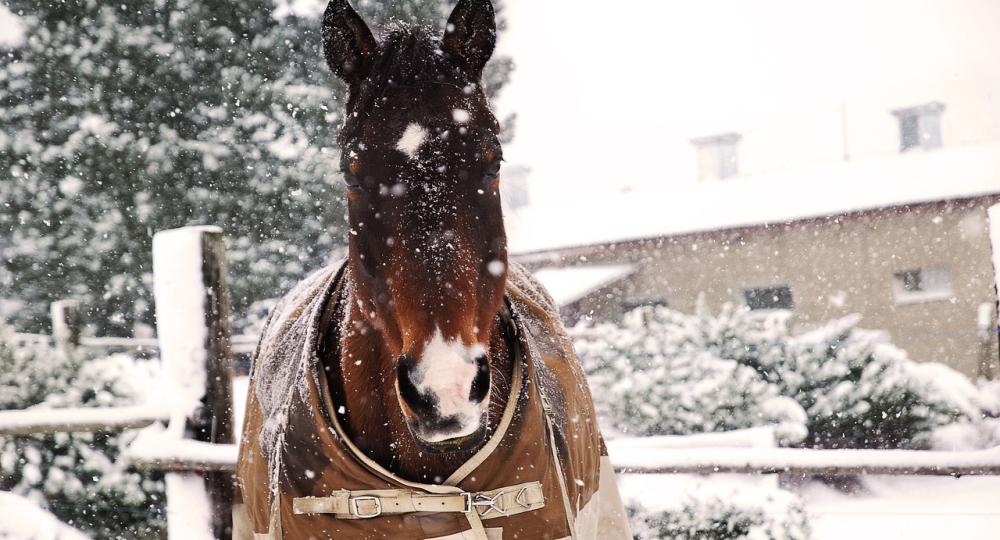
195,349
197,447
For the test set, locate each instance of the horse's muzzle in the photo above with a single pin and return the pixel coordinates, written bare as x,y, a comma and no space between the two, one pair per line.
443,420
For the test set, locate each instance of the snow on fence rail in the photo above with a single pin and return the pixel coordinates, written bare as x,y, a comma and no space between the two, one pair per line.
78,420
159,451
242,344
807,461
647,460
66,326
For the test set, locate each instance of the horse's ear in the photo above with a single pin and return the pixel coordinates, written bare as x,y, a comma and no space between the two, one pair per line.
349,45
471,35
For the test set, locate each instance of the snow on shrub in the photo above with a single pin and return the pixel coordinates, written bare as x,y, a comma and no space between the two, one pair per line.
978,434
772,514
78,477
647,380
664,372
860,391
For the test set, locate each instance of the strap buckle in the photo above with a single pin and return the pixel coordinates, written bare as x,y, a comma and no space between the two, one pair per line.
356,509
483,504
546,404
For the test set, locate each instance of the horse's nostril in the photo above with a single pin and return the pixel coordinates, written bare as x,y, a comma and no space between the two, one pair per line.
421,403
481,384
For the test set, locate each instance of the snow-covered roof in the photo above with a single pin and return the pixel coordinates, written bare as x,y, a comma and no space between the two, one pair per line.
21,518
567,285
916,177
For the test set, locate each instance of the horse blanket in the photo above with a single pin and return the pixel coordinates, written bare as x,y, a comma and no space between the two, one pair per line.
544,473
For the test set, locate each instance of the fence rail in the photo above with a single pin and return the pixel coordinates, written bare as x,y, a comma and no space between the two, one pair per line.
802,461
680,455
241,344
81,420
808,462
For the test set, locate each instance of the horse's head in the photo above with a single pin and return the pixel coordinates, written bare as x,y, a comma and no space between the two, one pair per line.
428,255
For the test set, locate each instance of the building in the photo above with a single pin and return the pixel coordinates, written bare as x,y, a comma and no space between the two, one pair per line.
902,238
751,154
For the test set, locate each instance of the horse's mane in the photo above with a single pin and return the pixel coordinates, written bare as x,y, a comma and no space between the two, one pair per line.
409,56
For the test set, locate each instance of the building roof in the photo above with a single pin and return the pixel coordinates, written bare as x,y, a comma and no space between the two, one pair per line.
569,284
782,197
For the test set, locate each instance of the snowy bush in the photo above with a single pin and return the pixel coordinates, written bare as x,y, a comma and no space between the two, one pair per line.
979,433
665,372
861,391
774,515
648,381
77,477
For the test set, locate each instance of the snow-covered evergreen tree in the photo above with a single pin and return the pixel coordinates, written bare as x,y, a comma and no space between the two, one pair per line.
122,119
78,477
861,391
664,372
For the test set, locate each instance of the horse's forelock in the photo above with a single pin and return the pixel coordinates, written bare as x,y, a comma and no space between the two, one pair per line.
409,57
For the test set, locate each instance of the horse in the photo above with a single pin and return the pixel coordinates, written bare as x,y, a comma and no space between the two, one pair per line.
423,388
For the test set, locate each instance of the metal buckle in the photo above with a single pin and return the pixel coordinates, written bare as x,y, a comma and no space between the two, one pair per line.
546,404
356,510
483,504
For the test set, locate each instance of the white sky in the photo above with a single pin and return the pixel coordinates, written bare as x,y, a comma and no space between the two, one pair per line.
610,93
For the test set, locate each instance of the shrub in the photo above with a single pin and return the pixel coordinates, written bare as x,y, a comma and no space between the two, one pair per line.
772,515
664,372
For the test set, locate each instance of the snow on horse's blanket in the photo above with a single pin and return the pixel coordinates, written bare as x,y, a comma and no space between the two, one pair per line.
293,450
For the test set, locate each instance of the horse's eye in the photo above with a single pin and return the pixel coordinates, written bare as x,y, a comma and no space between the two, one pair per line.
492,173
352,181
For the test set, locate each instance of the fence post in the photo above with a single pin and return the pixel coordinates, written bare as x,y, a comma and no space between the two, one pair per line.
192,322
65,324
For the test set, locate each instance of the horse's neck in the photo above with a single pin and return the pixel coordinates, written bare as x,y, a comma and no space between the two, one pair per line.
363,383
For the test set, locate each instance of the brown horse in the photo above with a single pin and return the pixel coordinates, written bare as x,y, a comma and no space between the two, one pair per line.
428,253
425,385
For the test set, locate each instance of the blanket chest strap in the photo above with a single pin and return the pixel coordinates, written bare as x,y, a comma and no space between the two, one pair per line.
369,504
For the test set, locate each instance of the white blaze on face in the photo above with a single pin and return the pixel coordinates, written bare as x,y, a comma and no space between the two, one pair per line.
446,371
413,138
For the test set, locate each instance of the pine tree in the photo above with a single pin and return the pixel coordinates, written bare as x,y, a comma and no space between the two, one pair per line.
123,119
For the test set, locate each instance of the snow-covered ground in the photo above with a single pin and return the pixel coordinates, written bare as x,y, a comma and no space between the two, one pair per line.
911,508
21,519
888,508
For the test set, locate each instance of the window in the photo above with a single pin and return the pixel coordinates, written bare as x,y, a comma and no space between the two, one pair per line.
769,298
921,285
920,127
717,156
629,306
